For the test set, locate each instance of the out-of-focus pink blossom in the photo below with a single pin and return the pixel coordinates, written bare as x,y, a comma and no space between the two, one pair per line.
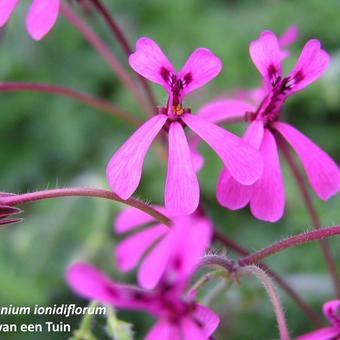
326,333
41,16
179,316
152,243
181,189
266,196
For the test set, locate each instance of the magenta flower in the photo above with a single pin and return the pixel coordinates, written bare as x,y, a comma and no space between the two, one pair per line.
327,333
179,316
148,234
266,196
41,17
181,189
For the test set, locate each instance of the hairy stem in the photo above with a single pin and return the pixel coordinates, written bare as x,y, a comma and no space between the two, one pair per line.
305,308
104,52
122,40
312,213
289,242
70,93
268,285
83,192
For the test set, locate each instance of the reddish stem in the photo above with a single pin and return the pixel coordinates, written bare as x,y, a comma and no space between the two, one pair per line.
67,92
306,309
312,213
289,242
122,40
104,52
84,192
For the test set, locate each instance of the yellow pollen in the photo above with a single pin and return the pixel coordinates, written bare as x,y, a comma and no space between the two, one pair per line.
178,109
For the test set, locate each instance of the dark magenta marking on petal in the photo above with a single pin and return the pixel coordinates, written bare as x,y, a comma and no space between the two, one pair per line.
167,76
299,76
273,75
186,80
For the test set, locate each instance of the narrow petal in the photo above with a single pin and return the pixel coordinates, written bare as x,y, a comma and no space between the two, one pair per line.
163,330
243,162
207,318
41,17
266,55
154,264
131,249
322,172
219,111
311,65
197,158
330,310
289,37
125,167
151,63
131,218
201,67
91,284
230,193
191,330
171,259
181,188
188,233
6,9
267,198
327,333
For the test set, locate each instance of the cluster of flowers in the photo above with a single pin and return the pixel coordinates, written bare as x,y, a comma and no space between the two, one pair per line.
168,257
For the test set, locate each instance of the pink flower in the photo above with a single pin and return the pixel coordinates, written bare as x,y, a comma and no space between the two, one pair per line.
327,333
41,17
266,196
157,237
181,189
179,316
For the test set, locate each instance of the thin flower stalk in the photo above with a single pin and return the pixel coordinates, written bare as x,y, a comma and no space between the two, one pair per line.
289,242
313,215
305,308
123,41
84,98
274,298
13,200
104,52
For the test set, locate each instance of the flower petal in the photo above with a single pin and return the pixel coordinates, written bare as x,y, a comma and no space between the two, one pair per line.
225,110
131,249
327,333
6,9
197,158
268,199
181,188
330,310
154,263
191,330
266,55
41,17
171,259
91,284
125,167
192,233
201,67
322,172
207,318
289,37
230,193
243,162
163,330
131,218
312,63
151,63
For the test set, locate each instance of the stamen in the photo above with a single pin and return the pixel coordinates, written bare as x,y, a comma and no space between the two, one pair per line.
178,109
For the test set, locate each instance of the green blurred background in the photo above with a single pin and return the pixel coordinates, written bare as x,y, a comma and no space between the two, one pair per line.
48,142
